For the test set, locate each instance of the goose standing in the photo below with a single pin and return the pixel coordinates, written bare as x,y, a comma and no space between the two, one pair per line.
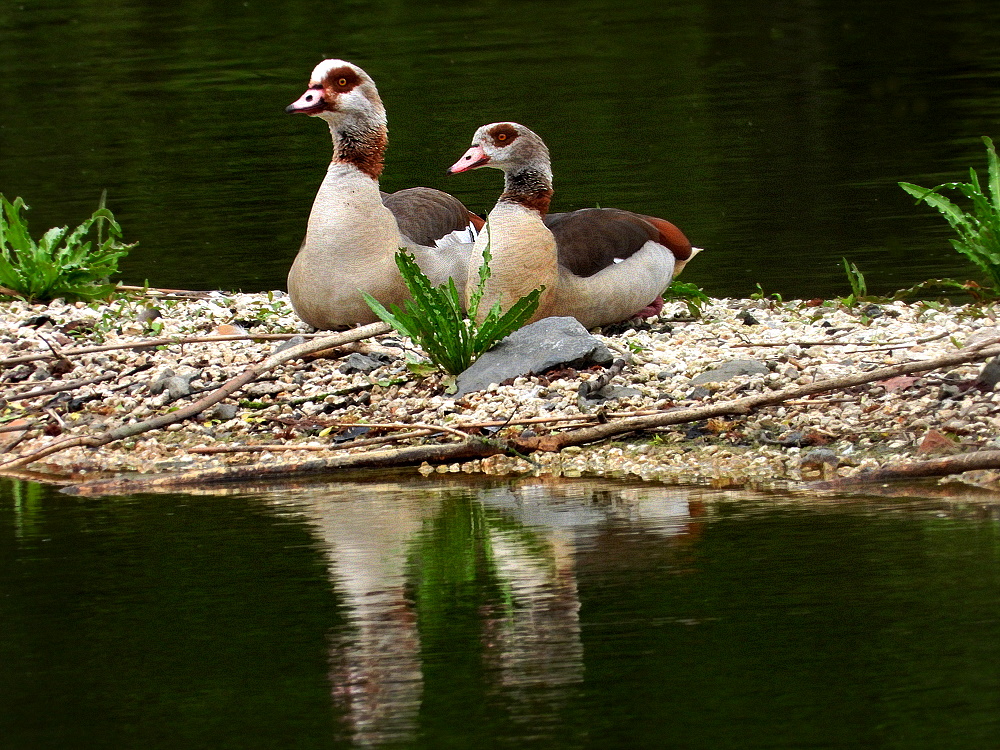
598,265
354,229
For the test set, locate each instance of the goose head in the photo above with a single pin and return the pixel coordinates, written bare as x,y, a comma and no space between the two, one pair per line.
340,91
506,146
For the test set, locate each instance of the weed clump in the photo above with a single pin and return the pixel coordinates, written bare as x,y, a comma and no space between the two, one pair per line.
70,264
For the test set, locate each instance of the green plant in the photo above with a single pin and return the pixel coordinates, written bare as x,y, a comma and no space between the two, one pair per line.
433,318
978,230
63,263
692,296
859,287
761,295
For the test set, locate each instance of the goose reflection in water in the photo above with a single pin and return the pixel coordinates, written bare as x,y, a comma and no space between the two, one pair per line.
391,550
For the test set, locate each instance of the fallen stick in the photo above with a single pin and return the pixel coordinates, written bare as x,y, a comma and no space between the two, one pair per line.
900,344
155,291
65,386
370,460
164,341
211,449
937,467
227,389
554,443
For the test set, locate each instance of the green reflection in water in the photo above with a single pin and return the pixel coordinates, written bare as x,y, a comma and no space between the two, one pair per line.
481,614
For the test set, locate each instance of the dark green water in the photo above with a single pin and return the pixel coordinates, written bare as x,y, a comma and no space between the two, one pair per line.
773,132
474,615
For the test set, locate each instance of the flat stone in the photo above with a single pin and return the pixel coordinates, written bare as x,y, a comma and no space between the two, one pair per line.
360,363
541,346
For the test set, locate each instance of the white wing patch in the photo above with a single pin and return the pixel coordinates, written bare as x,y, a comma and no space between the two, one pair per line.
465,236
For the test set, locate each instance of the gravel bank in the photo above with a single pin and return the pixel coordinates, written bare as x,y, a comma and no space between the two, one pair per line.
320,407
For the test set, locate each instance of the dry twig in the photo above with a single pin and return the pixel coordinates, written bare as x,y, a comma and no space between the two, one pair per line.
227,389
153,343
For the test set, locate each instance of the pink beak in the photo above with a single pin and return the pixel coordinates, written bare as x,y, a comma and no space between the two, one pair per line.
474,157
310,103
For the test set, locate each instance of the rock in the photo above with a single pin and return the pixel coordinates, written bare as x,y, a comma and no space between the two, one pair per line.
224,412
360,363
547,343
730,369
815,459
983,334
176,387
265,388
293,341
936,442
148,315
173,385
989,376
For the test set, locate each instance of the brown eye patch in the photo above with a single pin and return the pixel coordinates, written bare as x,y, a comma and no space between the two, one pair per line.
503,134
341,79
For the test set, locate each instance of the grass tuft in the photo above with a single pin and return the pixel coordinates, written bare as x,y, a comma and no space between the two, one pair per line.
70,264
979,229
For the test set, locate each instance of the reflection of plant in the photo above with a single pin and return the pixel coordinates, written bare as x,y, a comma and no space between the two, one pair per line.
62,263
436,323
978,230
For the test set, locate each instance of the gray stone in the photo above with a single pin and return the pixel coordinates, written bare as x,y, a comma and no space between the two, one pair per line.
225,412
265,388
989,376
360,363
173,386
148,315
177,387
729,370
541,346
293,341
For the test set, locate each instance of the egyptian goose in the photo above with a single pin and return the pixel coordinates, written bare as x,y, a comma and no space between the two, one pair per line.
354,230
598,265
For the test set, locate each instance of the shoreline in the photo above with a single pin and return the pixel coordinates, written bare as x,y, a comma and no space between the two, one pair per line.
312,409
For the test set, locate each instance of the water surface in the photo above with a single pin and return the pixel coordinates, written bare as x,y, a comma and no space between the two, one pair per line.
474,614
773,133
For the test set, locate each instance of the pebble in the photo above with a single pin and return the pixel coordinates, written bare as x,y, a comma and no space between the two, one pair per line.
787,343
